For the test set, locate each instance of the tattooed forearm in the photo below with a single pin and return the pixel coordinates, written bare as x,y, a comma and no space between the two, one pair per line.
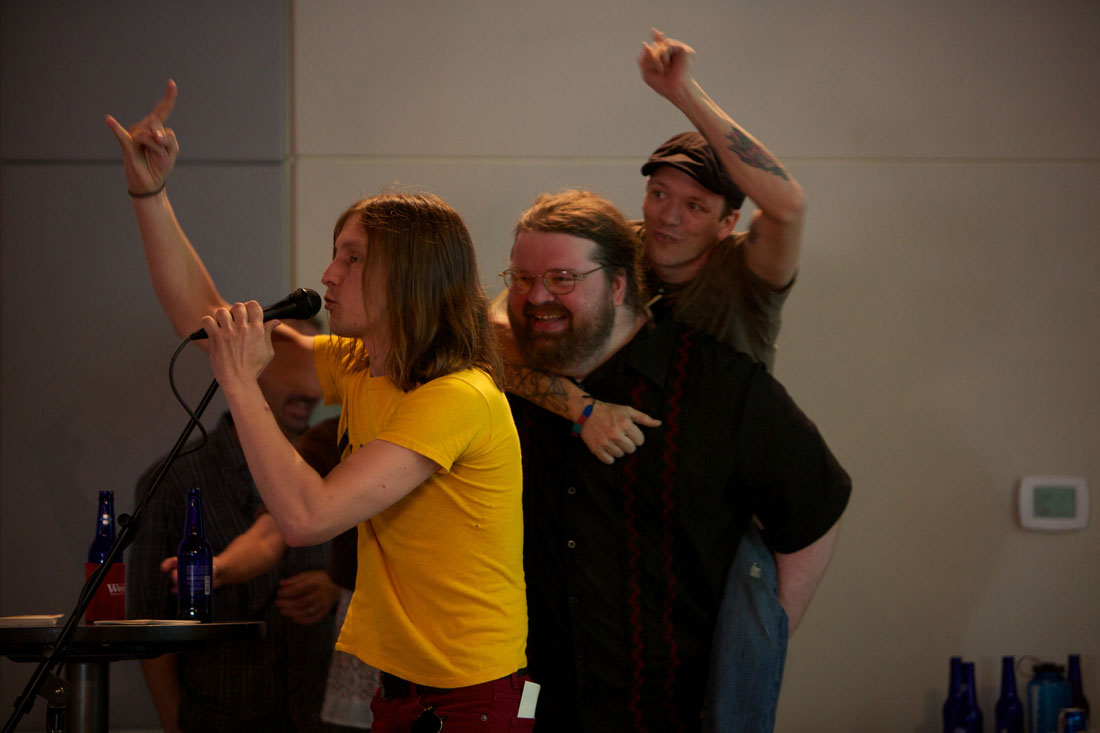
752,154
545,390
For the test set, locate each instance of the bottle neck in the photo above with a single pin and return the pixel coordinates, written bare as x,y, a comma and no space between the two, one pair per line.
1008,678
968,690
956,674
105,521
1074,677
194,515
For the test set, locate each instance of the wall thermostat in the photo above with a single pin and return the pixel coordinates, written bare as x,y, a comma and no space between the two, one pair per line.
1054,503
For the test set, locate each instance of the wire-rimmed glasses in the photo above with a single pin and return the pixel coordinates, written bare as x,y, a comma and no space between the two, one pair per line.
558,282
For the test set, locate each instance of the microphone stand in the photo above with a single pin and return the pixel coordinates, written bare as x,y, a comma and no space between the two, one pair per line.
43,682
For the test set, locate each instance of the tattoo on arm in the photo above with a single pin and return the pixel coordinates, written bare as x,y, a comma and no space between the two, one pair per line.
752,154
545,390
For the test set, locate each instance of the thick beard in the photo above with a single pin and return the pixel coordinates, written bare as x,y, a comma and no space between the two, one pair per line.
561,352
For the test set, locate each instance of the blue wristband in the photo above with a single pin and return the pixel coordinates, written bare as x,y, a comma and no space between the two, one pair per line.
585,414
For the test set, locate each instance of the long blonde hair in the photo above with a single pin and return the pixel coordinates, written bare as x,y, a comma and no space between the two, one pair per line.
436,314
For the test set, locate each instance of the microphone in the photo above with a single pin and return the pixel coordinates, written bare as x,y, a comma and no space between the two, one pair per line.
303,303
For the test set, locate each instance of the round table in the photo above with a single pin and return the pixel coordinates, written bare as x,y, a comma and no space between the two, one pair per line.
93,648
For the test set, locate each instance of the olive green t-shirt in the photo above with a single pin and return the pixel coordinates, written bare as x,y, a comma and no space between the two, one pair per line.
726,301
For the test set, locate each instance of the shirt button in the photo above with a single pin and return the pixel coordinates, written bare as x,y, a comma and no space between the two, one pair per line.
571,490
573,600
570,544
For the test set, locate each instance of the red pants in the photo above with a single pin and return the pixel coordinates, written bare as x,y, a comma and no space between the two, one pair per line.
489,707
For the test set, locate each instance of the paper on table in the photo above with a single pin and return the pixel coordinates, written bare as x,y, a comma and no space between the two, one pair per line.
147,622
49,619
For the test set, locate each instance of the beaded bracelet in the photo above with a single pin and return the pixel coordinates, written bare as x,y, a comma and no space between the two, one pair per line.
585,414
147,194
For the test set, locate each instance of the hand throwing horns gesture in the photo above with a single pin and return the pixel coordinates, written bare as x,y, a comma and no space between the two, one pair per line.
149,149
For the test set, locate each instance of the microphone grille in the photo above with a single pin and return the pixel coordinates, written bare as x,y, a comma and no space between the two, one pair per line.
307,303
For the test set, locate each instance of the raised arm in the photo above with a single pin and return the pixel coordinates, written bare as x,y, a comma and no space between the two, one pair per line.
774,248
610,431
182,284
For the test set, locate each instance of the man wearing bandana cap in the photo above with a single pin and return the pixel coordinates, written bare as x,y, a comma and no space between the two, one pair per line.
730,285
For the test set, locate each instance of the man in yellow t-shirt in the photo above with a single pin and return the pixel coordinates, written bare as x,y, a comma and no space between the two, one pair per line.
439,592
440,541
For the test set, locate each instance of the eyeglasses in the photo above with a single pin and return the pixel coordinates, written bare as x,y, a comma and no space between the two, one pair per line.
428,722
558,282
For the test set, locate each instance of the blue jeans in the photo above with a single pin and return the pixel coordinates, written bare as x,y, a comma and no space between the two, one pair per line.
750,645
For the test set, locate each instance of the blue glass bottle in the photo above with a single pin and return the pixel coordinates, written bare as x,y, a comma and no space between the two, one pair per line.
967,716
104,529
954,676
1010,709
1076,691
195,565
109,601
1047,693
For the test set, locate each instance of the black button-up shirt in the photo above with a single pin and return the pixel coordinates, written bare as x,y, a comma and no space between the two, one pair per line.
626,563
272,684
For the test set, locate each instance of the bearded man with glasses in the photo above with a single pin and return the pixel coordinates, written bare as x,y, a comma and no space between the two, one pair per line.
732,286
626,562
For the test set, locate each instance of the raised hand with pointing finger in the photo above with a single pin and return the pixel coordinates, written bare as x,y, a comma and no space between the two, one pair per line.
666,67
149,149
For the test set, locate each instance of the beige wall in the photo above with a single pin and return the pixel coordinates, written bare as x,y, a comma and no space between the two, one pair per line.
945,329
943,332
84,396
